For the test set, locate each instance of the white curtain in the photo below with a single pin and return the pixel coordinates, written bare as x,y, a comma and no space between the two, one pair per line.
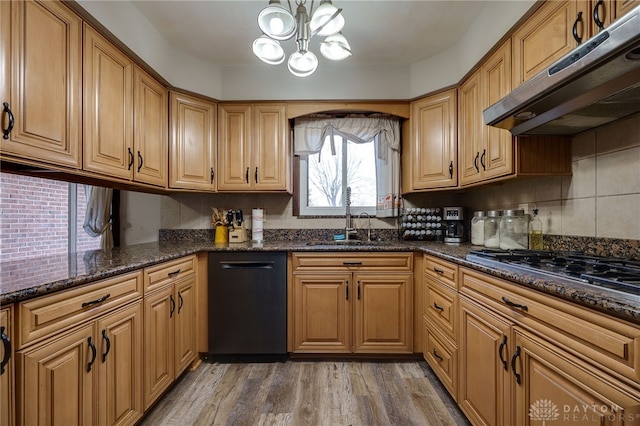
311,132
97,220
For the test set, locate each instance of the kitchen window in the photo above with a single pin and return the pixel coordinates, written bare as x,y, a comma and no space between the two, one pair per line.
357,151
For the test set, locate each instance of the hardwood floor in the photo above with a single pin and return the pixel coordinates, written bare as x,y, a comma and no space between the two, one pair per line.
308,393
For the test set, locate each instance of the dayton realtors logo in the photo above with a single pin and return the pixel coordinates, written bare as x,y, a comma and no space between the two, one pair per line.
545,410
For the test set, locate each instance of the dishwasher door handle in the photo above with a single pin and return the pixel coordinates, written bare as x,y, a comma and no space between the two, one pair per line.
247,264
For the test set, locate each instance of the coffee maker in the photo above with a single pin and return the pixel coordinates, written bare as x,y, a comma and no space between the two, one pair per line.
453,223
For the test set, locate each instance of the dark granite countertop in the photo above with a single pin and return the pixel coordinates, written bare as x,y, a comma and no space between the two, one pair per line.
21,280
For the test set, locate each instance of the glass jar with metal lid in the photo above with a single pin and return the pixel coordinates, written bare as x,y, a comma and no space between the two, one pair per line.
514,230
492,229
477,228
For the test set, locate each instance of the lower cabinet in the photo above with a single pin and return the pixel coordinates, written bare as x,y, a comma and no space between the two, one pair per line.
349,303
7,372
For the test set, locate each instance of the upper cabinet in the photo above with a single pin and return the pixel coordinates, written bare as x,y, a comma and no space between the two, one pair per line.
192,143
41,89
254,153
429,150
604,12
484,151
108,108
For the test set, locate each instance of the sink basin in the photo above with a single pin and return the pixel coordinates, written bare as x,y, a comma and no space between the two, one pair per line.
344,243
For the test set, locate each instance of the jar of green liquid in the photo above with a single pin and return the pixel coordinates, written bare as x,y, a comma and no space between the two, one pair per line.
535,232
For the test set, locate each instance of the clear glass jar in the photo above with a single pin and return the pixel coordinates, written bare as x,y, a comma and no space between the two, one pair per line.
477,228
514,230
492,229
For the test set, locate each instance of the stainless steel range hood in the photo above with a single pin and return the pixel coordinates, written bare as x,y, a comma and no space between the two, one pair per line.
596,83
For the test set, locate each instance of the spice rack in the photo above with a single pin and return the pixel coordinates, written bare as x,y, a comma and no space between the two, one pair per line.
421,224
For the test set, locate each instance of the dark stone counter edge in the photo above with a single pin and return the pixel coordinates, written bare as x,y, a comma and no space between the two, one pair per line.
121,260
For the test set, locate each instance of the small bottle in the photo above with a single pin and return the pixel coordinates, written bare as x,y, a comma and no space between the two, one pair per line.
535,231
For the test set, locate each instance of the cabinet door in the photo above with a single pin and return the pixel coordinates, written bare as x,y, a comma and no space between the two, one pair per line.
623,6
192,144
56,380
433,142
185,323
553,386
496,158
7,374
159,350
322,313
108,107
150,142
234,149
271,148
471,128
383,317
41,55
543,39
120,367
484,392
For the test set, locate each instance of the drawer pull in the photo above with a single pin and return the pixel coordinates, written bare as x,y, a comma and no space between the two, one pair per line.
94,353
438,271
437,356
108,342
6,343
97,301
352,263
174,273
500,350
438,308
514,305
516,354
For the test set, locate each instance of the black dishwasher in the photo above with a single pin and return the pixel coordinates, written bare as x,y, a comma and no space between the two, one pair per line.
247,306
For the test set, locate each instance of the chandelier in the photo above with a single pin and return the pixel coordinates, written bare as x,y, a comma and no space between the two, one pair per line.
279,24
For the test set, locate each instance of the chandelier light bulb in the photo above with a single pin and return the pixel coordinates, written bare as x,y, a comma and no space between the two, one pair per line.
276,25
302,64
335,47
322,16
268,50
276,22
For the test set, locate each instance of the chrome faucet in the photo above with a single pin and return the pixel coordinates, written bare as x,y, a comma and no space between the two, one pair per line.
348,227
369,224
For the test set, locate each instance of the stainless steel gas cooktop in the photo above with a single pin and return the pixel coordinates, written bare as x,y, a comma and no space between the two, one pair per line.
622,275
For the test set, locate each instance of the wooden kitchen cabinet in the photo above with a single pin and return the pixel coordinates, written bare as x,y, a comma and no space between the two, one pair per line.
7,370
41,56
355,303
429,151
151,127
169,324
192,146
254,153
108,108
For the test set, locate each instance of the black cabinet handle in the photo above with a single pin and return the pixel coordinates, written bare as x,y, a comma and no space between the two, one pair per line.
578,20
358,289
105,337
212,175
130,159
140,161
6,343
246,175
475,162
451,170
516,354
437,355
174,273
352,263
94,353
438,308
438,271
347,290
97,301
596,15
180,302
484,154
173,306
514,305
12,121
256,175
500,350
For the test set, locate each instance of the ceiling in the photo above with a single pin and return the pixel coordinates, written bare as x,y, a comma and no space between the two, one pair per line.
391,32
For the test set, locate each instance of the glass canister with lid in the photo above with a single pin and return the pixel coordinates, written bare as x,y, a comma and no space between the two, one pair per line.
492,229
514,230
477,228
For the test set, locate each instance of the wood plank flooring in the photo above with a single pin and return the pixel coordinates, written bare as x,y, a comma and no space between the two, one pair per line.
317,393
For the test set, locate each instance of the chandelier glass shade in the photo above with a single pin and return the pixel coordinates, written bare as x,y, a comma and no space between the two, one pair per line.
279,24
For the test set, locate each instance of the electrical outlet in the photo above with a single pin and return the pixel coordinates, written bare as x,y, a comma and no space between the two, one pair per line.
526,207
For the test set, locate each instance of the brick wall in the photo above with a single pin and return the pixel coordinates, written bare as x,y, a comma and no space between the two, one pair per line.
34,217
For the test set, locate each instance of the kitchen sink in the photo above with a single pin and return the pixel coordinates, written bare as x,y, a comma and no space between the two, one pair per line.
345,243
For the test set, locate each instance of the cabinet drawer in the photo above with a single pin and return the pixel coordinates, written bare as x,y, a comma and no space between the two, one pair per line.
591,335
168,272
441,270
441,307
349,261
442,356
41,317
